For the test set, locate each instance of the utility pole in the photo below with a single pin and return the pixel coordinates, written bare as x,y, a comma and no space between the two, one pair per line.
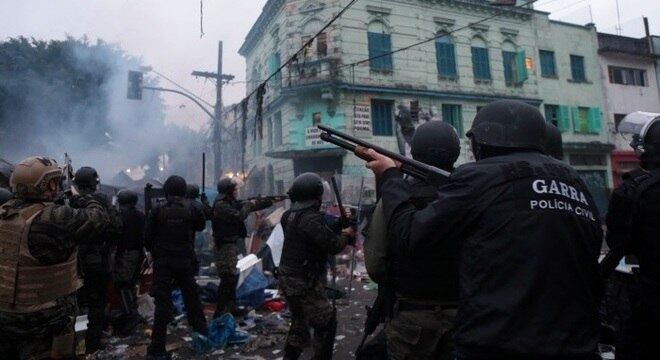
217,128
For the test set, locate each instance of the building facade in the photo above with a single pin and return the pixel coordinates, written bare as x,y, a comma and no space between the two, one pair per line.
348,79
628,67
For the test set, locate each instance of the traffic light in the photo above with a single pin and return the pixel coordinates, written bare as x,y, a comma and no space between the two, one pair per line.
134,85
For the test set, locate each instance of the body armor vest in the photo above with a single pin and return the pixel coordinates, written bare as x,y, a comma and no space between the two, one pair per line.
25,284
175,235
227,230
299,257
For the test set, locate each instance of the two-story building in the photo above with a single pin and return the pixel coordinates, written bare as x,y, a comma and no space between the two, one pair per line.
349,79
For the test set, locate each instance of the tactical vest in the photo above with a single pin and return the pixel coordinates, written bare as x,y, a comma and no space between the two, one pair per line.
25,284
432,276
228,230
175,235
299,257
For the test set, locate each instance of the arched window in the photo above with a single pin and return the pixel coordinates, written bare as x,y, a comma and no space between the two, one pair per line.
319,46
509,62
445,56
380,46
480,59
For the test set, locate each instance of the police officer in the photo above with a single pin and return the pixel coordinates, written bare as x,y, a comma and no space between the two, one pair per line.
308,240
425,287
633,224
193,195
228,222
129,257
529,236
38,243
169,236
95,261
554,145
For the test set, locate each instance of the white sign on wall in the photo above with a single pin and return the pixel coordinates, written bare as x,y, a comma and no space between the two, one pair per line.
313,136
362,119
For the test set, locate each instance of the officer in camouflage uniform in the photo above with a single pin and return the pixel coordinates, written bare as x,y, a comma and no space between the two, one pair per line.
425,287
308,240
128,259
95,261
228,222
38,247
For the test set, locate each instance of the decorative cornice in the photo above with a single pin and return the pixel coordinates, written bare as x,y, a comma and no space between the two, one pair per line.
267,14
312,7
378,9
444,21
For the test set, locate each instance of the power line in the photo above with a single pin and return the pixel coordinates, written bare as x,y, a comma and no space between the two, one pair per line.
305,45
182,88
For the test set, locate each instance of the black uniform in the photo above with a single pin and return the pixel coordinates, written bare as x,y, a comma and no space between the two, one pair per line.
308,241
95,264
228,230
633,224
529,237
128,261
169,236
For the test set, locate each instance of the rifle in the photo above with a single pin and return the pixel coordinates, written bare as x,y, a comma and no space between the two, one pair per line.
274,198
344,220
68,177
359,147
357,218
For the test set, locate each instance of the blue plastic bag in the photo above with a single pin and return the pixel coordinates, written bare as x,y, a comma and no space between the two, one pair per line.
251,292
177,301
221,329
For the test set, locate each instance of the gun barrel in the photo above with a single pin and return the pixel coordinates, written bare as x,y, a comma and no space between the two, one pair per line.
410,166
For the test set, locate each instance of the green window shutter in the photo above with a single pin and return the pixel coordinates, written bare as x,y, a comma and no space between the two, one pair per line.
273,65
521,67
563,119
594,122
575,117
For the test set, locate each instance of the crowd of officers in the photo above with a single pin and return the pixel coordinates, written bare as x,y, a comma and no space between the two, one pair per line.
498,261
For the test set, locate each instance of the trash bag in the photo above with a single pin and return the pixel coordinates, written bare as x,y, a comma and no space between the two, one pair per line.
177,301
238,337
221,329
251,292
275,305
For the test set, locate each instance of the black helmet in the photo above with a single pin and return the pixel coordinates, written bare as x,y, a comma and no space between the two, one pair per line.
226,186
307,186
5,195
436,143
175,186
127,197
192,191
553,142
509,124
86,178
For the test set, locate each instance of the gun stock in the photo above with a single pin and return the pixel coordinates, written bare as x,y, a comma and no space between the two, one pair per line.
359,147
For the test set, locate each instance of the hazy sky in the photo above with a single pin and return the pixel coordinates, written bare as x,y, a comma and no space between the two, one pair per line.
166,33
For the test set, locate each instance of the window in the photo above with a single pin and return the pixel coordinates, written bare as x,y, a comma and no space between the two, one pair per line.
627,76
453,115
273,65
277,129
445,57
552,114
380,45
509,61
322,45
548,67
617,119
480,61
577,68
586,120
381,115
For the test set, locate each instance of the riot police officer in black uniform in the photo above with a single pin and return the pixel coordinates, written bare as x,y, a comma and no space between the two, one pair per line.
169,236
529,235
128,259
95,261
5,195
229,229
554,145
308,240
633,227
425,287
193,195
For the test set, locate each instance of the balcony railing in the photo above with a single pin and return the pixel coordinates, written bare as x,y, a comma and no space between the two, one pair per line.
312,72
622,44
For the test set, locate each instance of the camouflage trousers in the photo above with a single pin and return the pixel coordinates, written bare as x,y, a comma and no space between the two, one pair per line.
226,257
44,334
420,334
309,308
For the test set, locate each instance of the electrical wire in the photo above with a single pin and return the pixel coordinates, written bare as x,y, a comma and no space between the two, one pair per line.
182,88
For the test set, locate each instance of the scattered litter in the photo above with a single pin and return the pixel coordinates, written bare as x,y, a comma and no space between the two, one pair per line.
340,337
146,307
275,352
251,291
187,339
245,266
274,305
81,323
